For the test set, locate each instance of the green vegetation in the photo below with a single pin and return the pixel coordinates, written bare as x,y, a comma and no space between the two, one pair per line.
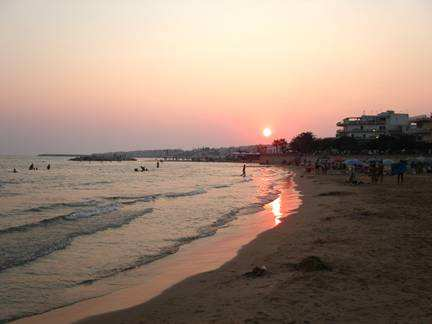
307,142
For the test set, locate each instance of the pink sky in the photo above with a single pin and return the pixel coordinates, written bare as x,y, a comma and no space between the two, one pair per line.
103,75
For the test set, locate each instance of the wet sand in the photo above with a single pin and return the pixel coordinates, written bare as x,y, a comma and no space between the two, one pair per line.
377,239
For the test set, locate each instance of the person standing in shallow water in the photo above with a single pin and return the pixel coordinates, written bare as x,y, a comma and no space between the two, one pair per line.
244,170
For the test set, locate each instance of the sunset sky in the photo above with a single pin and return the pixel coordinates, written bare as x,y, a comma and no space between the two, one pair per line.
101,75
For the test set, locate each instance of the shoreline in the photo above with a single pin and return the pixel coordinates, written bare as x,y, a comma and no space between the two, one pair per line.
205,254
374,239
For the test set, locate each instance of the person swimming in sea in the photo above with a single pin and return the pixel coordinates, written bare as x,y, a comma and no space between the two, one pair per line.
31,167
15,170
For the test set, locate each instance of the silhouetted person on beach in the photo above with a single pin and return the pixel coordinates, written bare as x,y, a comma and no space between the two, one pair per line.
380,171
399,169
400,178
31,167
15,170
48,166
244,170
373,172
157,164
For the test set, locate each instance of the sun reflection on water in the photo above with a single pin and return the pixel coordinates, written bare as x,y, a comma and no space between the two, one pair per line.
276,210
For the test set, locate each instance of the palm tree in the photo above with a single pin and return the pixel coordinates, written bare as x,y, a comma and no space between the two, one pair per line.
281,145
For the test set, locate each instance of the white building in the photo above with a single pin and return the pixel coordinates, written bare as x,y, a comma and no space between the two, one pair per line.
371,126
421,128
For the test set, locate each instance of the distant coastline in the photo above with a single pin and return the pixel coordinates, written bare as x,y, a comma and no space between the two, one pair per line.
101,157
60,155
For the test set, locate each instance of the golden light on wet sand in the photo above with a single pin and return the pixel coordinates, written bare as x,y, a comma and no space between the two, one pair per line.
276,209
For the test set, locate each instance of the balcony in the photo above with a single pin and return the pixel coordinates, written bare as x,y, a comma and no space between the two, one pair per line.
358,130
360,122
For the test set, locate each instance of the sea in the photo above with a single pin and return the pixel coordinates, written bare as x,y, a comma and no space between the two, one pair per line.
68,233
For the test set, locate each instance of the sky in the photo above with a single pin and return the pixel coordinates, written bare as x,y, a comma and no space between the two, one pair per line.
85,76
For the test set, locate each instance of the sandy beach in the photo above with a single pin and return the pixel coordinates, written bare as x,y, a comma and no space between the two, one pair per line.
375,239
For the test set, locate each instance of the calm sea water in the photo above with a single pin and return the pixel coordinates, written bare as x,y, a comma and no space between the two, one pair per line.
68,233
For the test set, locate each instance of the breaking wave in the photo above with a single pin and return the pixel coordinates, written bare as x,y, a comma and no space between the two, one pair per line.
22,244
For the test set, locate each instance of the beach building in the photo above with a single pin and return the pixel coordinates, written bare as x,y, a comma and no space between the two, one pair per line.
421,128
368,127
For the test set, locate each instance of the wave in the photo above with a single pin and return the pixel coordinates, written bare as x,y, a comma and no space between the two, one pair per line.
43,208
23,244
4,182
97,208
94,183
136,264
219,186
8,194
175,245
129,200
94,211
68,217
202,232
269,197
146,197
185,194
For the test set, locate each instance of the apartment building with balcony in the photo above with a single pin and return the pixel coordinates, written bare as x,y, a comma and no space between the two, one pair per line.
368,127
421,128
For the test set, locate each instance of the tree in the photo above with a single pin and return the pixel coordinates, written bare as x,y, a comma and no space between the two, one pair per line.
326,144
303,143
281,145
347,144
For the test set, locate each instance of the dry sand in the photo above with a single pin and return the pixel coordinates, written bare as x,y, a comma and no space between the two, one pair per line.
376,238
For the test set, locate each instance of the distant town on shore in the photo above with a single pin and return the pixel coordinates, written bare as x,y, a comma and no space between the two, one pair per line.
385,133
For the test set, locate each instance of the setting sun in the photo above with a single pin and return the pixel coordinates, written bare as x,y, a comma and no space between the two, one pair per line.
267,132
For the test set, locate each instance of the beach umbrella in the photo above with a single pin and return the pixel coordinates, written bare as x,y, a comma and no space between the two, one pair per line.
352,162
388,162
371,160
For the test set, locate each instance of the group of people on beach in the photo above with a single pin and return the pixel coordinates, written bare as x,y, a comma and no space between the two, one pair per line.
375,169
376,172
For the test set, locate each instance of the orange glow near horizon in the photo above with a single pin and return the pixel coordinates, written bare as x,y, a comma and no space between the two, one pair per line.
98,76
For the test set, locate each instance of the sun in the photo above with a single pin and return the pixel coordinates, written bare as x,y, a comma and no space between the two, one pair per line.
267,132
